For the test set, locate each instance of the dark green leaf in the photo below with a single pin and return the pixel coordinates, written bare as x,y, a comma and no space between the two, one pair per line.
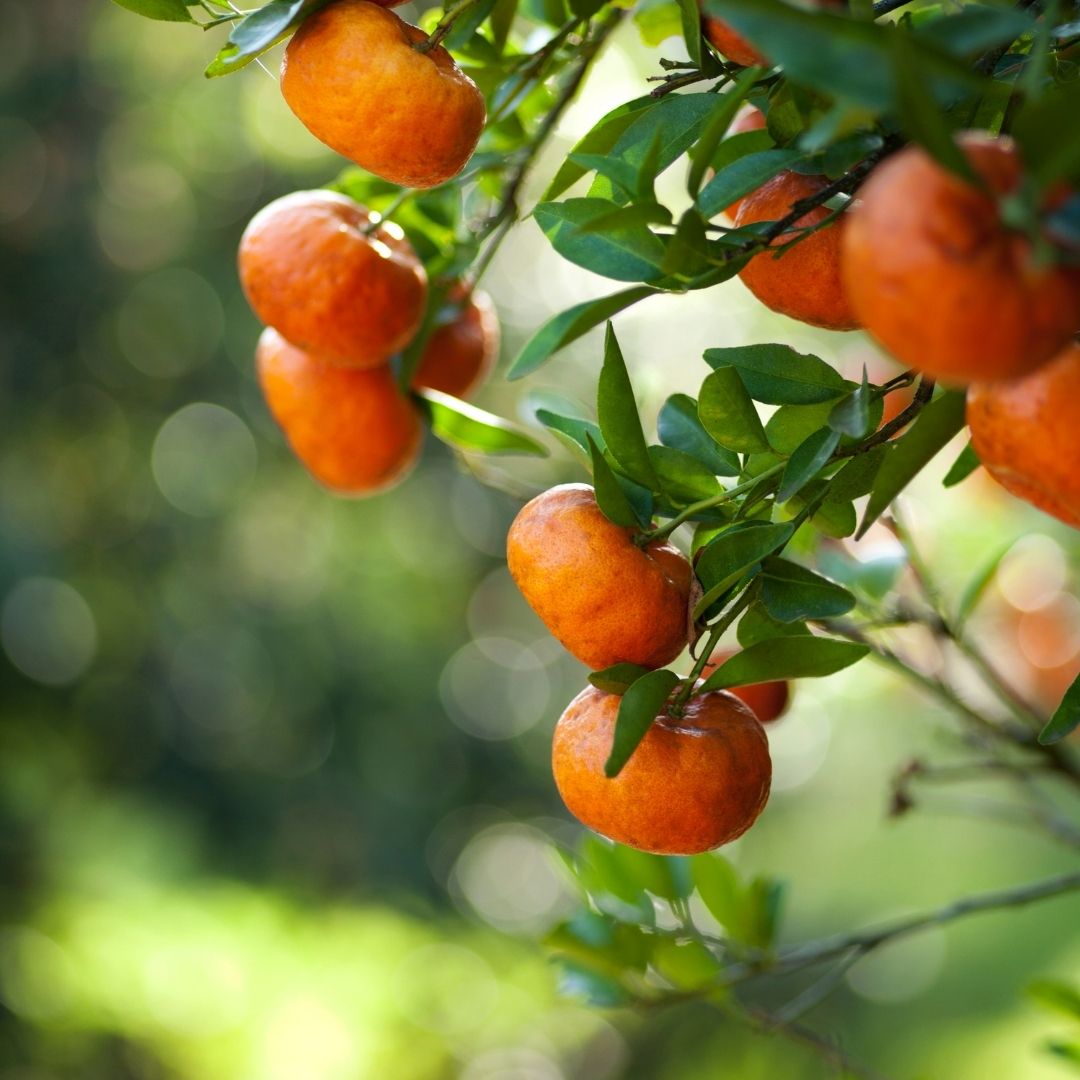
679,427
165,10
802,657
569,325
617,678
468,428
791,593
690,17
974,28
1066,717
1040,129
705,149
778,375
856,478
638,708
610,496
851,414
618,415
727,558
577,430
621,173
728,415
621,253
758,625
742,176
905,458
806,461
683,478
965,464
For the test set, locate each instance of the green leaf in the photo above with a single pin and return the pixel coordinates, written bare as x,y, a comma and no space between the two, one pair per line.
727,558
728,415
690,17
683,478
658,22
801,657
574,429
600,140
758,625
851,414
620,173
856,478
764,900
718,886
905,458
687,965
976,587
705,148
618,415
1056,995
165,10
778,375
1039,129
604,876
806,461
569,325
584,984
791,593
662,875
619,252
638,708
679,427
617,678
468,428
742,176
1066,717
974,28
259,31
965,464
610,496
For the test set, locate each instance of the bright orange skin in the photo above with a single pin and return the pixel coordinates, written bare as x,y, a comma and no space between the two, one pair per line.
460,354
310,271
693,783
803,283
768,701
355,431
1027,434
356,81
748,118
939,280
727,42
607,600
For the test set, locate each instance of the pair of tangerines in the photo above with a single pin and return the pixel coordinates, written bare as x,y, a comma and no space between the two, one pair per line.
701,775
341,294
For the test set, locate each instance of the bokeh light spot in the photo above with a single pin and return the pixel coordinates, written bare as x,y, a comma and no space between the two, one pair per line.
48,631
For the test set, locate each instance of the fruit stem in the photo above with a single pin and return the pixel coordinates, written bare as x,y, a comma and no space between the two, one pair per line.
444,25
662,531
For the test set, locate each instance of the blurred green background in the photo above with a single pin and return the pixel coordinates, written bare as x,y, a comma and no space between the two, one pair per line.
274,791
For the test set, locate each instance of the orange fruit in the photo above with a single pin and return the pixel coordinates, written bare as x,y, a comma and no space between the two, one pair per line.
804,282
607,600
311,270
768,701
1027,434
354,430
748,118
460,353
354,77
728,42
694,782
938,278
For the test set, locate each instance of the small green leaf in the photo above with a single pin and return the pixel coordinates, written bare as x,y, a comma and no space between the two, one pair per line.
1066,717
165,10
728,415
687,965
466,427
851,414
976,587
791,593
806,461
778,375
638,708
578,431
680,428
905,458
662,875
569,325
620,424
617,678
801,657
610,496
683,478
763,903
965,464
718,885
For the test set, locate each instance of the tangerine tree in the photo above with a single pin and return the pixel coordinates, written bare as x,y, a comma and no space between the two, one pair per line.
909,169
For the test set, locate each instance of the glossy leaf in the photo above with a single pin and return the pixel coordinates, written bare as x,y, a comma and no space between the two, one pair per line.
719,122
802,657
1066,717
610,496
724,560
856,477
778,375
466,427
906,457
638,708
758,625
965,464
683,478
806,461
569,325
617,678
791,593
578,431
728,415
617,411
851,414
742,176
164,10
679,427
